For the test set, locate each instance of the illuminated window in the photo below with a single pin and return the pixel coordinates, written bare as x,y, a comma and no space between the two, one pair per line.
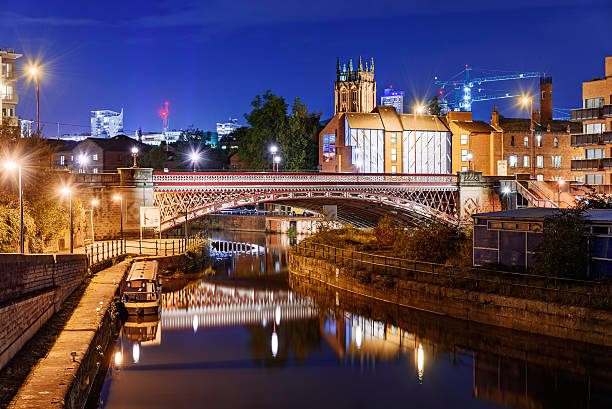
540,177
525,161
62,160
539,140
556,142
94,156
464,153
393,136
393,154
393,169
540,161
556,161
464,168
95,170
526,141
464,139
512,161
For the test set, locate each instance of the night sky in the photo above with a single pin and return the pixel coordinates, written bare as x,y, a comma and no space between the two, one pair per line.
208,59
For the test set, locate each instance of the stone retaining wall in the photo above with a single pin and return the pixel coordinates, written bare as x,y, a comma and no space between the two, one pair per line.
32,288
538,317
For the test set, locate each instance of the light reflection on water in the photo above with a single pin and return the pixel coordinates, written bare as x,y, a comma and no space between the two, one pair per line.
242,338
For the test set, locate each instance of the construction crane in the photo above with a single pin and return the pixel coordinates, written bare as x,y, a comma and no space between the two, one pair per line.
458,94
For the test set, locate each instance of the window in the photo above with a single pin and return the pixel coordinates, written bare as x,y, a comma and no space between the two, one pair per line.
94,156
595,153
95,170
556,161
540,161
539,140
393,137
512,140
525,161
526,141
393,169
329,148
540,177
556,142
393,154
593,102
594,128
464,153
464,139
595,179
464,168
62,160
512,161
7,92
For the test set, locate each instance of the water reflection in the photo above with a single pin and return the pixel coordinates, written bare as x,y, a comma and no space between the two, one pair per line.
234,339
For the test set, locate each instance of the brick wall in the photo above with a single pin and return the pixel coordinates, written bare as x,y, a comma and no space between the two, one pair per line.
32,288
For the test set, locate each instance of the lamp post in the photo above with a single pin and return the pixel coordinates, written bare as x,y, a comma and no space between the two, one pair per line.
83,161
506,191
10,166
134,154
469,158
117,197
273,151
528,99
560,183
277,160
34,72
67,191
93,203
195,157
419,109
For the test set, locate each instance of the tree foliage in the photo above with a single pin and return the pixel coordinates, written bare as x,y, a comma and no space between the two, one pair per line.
295,134
434,243
434,108
594,200
564,250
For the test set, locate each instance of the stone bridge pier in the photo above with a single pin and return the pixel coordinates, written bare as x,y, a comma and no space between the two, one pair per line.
133,185
476,195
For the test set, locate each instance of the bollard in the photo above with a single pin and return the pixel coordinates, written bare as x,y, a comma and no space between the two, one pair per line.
165,248
156,247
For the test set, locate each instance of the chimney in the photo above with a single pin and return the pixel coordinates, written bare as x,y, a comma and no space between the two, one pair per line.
546,106
608,67
495,117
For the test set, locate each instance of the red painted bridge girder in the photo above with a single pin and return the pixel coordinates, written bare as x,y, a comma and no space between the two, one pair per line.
188,195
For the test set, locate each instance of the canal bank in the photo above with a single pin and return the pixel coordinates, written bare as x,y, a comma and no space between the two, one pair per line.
581,324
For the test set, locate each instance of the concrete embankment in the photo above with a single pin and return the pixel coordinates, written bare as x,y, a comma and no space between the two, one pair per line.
533,316
32,289
59,380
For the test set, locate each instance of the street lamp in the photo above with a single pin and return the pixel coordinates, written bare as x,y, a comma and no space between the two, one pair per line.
527,99
195,157
117,197
34,72
10,165
273,151
560,183
66,191
469,158
134,154
93,203
506,191
277,160
418,110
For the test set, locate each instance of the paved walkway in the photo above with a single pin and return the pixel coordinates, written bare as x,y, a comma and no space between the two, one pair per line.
49,382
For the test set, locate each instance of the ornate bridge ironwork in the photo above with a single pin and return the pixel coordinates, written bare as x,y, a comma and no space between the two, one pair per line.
185,196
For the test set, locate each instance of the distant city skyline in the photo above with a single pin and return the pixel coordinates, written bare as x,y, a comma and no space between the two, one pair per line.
278,54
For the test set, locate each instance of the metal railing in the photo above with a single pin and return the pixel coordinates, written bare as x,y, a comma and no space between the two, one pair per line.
566,291
531,198
102,251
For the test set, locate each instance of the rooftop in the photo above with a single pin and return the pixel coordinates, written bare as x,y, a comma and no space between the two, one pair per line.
523,125
596,215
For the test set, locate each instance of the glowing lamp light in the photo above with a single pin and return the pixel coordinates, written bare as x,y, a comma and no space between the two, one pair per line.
136,353
273,149
134,150
65,191
277,159
194,156
274,344
506,190
94,202
561,182
10,165
116,197
525,100
420,362
33,71
83,159
118,358
469,156
420,109
277,315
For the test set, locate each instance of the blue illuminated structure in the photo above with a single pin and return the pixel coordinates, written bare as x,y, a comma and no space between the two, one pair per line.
393,98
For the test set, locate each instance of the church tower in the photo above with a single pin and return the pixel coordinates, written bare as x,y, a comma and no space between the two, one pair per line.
354,89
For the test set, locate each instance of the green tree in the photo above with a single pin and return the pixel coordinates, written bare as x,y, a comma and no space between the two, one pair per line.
434,108
433,242
594,200
300,146
156,158
564,250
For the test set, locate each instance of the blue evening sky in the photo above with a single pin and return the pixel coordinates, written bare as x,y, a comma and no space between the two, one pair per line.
208,59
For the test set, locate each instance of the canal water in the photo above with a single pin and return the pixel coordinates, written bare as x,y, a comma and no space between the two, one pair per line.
246,334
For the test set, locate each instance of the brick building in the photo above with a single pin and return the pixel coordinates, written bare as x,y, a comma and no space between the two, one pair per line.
354,89
477,138
594,137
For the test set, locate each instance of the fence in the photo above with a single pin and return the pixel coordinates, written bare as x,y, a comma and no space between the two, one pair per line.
100,252
595,294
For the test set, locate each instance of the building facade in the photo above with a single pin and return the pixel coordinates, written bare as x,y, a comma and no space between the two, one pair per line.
226,128
354,89
594,165
393,98
8,79
106,123
384,141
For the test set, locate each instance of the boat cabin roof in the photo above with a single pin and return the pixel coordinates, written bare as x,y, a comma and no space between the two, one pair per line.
143,270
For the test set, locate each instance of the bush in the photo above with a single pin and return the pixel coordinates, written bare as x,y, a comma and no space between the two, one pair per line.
435,243
385,232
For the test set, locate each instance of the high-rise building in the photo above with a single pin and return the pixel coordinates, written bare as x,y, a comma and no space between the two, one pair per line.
393,98
354,89
106,123
8,78
594,167
26,127
226,128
